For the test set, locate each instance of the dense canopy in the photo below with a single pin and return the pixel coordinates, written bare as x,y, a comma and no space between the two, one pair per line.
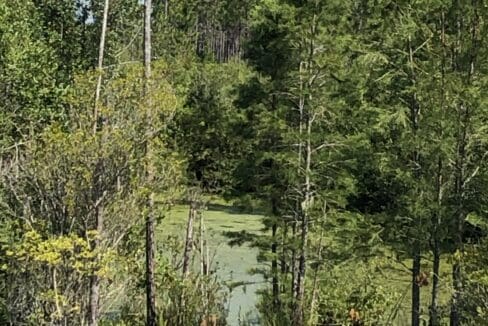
133,133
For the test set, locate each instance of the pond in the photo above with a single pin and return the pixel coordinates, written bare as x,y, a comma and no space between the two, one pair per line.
232,264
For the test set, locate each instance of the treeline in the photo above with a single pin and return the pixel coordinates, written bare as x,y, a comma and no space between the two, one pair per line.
357,127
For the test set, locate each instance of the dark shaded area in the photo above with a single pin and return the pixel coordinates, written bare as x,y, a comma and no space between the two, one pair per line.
238,238
473,233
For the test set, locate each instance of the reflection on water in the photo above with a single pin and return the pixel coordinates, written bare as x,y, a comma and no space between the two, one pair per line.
233,267
234,263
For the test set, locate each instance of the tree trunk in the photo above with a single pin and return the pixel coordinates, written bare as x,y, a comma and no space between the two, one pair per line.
203,248
98,213
293,263
457,280
151,317
416,171
201,36
94,299
456,296
316,270
283,264
150,264
166,8
189,238
436,250
94,278
302,264
204,261
416,288
298,210
437,218
307,116
101,52
459,218
434,317
274,267
59,314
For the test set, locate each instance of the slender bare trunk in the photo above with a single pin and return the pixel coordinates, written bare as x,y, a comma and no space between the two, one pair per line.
101,52
307,117
59,314
302,263
416,171
283,264
203,254
187,254
192,212
297,213
166,8
415,287
95,279
455,318
204,262
436,250
98,212
150,265
151,317
201,36
293,263
316,270
304,215
437,218
434,314
459,217
274,267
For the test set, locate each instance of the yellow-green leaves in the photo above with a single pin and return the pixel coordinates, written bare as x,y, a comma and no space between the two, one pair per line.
68,251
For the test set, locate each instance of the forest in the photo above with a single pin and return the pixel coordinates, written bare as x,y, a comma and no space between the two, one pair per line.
243,162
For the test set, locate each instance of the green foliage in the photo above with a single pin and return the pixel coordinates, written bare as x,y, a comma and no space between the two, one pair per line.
357,127
209,127
361,286
30,91
45,261
475,306
181,300
66,27
52,195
